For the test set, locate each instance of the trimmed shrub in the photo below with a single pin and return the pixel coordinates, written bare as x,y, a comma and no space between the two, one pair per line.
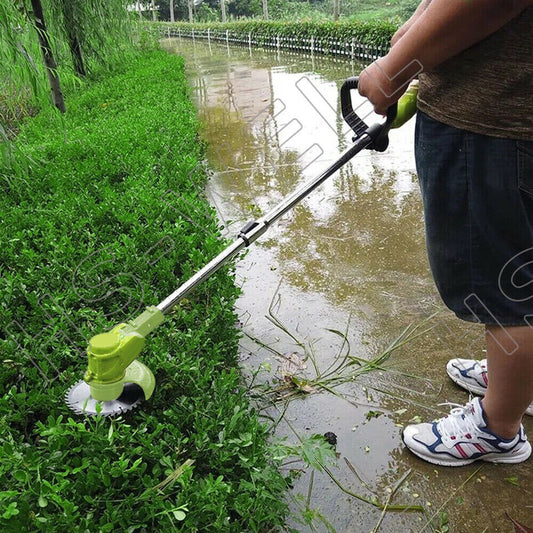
371,34
90,234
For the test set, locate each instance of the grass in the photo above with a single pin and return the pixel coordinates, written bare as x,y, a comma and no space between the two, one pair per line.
15,107
91,232
344,368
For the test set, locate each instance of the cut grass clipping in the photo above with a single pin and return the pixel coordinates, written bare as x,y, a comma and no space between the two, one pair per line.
92,231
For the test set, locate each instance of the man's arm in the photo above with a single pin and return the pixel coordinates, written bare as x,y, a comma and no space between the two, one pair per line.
443,29
414,17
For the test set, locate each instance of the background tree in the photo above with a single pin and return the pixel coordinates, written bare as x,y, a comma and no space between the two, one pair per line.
72,17
68,34
245,8
19,75
179,10
36,16
92,29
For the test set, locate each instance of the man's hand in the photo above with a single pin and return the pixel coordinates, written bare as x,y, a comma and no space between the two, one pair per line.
380,86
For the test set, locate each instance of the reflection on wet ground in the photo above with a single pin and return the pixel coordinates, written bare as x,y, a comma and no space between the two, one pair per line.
339,278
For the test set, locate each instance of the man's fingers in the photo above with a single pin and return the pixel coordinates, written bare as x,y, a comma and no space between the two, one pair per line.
369,89
361,85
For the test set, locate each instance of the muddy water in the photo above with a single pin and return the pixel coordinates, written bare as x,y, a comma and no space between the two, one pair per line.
343,274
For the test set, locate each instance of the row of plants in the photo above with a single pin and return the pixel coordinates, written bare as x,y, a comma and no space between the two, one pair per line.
93,229
371,34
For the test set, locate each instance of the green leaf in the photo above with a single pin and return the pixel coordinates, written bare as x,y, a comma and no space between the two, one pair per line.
20,475
179,515
10,511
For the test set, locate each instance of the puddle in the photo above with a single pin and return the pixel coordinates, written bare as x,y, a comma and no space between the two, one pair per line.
344,272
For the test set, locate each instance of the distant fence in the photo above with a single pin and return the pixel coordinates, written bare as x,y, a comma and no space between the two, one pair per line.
325,45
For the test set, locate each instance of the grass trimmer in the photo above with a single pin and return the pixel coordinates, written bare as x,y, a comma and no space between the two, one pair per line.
115,380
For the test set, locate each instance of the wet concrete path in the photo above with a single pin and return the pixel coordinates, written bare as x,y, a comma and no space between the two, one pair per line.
331,286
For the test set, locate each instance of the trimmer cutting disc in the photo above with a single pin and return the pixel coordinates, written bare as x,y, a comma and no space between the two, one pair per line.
79,399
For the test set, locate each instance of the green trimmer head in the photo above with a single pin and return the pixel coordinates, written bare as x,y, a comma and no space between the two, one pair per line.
115,381
81,401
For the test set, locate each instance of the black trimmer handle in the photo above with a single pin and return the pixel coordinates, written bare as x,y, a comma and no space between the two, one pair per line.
378,132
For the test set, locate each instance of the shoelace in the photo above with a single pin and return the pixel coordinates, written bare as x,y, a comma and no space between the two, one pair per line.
458,423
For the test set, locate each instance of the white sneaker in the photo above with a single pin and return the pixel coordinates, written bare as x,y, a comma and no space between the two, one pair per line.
472,376
462,437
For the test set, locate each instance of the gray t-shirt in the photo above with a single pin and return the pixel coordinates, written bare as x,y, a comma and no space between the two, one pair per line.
487,88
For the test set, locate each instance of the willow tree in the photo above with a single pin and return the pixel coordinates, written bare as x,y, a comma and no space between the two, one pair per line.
17,19
36,35
48,55
19,74
92,29
72,15
16,53
89,29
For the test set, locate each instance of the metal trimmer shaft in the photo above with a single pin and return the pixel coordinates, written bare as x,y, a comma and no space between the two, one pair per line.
254,229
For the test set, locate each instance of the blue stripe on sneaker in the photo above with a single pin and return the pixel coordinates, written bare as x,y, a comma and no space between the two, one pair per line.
464,372
432,447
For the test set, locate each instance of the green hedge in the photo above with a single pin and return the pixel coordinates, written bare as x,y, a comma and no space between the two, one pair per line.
81,223
372,34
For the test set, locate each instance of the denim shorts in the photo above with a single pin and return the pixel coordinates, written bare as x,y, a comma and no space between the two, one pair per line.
477,193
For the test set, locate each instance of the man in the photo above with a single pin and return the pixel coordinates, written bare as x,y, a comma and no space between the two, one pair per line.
474,154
